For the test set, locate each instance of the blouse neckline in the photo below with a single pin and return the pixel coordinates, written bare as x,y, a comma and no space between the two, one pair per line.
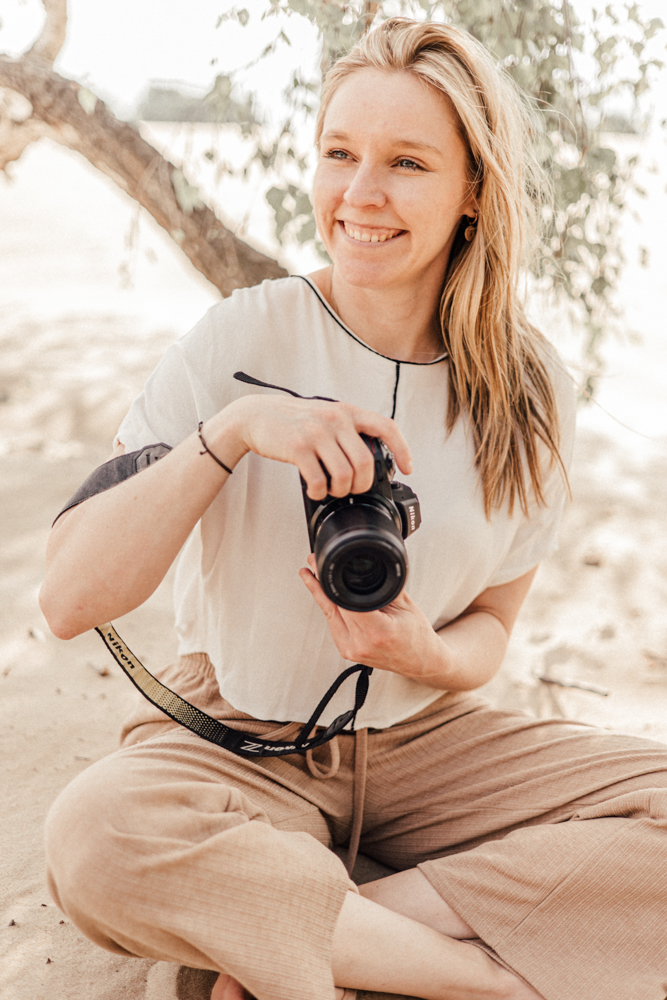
334,315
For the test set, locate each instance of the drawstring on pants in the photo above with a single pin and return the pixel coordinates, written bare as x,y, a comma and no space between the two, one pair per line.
359,786
360,769
331,771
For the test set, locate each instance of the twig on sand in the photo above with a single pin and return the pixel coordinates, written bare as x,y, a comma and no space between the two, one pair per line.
655,659
100,671
579,685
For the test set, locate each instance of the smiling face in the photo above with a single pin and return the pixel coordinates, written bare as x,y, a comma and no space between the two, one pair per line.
391,185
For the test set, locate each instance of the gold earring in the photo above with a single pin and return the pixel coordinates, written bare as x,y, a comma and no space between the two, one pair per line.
471,229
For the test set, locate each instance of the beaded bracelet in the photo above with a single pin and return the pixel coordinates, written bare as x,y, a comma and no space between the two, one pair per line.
207,450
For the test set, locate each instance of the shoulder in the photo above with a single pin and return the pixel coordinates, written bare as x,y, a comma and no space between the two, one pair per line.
276,312
267,303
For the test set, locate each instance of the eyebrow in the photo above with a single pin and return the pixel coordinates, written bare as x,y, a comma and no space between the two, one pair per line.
409,143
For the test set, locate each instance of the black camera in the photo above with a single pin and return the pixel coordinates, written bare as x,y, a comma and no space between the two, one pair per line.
358,539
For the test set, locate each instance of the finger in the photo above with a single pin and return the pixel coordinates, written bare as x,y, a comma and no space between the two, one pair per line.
389,431
328,608
365,620
360,458
313,474
335,461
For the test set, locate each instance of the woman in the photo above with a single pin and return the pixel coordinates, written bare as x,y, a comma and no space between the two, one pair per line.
540,845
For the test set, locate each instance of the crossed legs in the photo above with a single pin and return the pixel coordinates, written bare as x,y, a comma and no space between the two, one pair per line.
172,850
399,936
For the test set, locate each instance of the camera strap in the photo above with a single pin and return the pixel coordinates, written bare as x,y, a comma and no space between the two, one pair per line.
235,740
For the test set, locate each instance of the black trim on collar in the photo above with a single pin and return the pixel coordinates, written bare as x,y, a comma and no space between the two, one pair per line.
398,375
337,319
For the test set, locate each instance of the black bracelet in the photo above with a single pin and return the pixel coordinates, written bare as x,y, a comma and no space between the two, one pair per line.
207,450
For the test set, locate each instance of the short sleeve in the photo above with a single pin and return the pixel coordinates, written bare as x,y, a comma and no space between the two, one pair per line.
195,378
191,383
537,535
164,411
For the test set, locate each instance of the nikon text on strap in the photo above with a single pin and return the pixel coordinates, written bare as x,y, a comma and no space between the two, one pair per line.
235,740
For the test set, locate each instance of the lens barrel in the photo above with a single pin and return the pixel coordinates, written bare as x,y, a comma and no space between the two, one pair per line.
360,556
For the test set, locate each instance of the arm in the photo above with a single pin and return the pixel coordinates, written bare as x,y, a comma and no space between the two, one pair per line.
107,556
463,655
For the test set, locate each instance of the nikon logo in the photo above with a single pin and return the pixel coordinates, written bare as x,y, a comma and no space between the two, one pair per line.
261,748
120,655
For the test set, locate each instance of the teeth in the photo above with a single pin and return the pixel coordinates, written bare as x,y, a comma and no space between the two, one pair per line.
364,237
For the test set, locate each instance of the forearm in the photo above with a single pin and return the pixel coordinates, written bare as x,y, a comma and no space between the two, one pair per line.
474,647
107,556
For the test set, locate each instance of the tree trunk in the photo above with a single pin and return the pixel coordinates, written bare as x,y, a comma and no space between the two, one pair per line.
74,117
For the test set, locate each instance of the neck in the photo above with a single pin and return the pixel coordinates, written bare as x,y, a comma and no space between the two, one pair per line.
401,323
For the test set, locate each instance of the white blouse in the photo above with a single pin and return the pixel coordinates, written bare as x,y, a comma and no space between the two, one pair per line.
238,596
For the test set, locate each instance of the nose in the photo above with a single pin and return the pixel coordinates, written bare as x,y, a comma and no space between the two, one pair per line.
366,188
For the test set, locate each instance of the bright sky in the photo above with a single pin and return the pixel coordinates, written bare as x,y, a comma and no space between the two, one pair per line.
116,48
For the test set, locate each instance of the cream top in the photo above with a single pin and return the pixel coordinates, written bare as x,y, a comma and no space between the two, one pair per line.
237,593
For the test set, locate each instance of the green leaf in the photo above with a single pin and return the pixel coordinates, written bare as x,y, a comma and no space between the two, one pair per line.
307,231
653,27
602,158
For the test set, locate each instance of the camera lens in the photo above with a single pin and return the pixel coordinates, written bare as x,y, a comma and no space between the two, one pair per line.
364,573
360,556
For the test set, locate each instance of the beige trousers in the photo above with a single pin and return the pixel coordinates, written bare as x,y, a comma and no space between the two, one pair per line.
548,837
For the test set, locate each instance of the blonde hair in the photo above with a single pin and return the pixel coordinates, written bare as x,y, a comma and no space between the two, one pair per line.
497,372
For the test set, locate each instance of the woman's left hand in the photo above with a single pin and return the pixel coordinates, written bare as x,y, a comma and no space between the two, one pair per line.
398,637
461,656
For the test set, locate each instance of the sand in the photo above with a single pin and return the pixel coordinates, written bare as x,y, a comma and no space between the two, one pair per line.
74,348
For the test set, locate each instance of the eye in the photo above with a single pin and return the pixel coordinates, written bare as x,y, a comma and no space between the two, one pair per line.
336,154
407,164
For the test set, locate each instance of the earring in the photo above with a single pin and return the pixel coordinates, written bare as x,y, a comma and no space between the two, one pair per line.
471,229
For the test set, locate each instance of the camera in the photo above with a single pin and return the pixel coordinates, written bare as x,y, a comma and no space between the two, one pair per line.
357,540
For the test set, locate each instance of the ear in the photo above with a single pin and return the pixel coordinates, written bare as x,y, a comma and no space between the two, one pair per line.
470,206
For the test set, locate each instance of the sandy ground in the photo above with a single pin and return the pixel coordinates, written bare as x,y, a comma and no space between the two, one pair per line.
74,348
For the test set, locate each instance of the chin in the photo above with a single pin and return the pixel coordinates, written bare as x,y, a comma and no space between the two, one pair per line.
366,273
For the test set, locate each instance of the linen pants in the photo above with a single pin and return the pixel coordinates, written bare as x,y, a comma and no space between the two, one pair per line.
549,838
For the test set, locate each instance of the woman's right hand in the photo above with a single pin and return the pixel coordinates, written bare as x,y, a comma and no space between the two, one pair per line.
107,556
315,435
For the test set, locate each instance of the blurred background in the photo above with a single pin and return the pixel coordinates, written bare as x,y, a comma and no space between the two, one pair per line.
155,157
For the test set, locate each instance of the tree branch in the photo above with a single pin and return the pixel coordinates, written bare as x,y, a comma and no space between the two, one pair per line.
72,116
52,38
17,128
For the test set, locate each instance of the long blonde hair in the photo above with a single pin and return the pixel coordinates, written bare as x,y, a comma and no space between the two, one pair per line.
497,373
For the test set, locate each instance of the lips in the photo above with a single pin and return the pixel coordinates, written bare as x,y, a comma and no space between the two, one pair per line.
365,234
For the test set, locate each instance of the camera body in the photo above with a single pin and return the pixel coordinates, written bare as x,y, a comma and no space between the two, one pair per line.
357,540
